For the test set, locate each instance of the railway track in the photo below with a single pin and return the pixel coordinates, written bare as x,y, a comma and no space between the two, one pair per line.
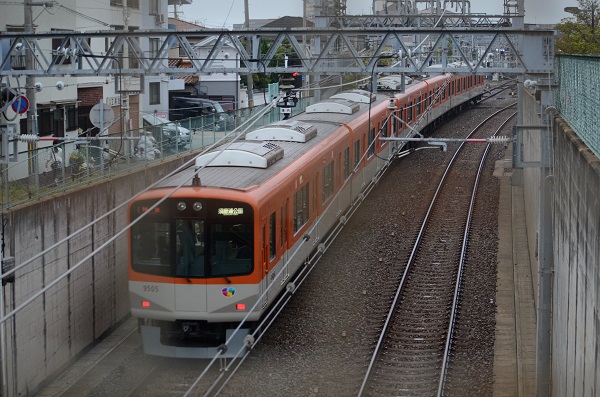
413,352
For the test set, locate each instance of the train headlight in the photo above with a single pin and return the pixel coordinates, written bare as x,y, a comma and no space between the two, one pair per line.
181,206
197,206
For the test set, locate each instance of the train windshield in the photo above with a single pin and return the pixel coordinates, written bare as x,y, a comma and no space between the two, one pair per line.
167,242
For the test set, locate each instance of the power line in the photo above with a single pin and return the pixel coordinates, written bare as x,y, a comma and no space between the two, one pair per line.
79,14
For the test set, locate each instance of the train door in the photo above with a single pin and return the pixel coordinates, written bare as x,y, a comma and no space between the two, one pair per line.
264,259
283,220
189,242
316,207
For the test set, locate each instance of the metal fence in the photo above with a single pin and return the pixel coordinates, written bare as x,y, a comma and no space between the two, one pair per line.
578,98
67,164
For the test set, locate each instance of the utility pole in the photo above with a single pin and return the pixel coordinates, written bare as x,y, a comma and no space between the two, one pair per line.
29,79
305,44
250,83
176,10
30,92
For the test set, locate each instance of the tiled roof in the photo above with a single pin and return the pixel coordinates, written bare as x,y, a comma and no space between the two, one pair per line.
288,22
183,25
182,63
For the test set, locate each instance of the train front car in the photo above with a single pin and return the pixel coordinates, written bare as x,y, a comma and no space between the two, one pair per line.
191,272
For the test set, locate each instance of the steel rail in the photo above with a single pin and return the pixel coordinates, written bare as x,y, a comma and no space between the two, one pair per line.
463,255
412,257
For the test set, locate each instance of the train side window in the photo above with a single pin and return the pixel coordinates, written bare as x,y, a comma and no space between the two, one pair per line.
409,114
272,235
327,182
301,207
371,142
464,83
418,105
346,163
356,153
444,93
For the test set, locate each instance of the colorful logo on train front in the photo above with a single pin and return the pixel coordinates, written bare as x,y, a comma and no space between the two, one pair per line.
228,292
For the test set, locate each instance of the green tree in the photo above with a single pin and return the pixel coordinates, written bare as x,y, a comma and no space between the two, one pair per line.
261,80
580,35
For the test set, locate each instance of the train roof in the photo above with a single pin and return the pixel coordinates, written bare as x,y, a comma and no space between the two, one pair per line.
268,150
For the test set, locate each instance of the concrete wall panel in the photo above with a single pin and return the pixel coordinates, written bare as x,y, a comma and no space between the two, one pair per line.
531,182
56,303
103,268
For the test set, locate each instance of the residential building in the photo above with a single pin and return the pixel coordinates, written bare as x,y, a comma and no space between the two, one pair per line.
222,87
315,8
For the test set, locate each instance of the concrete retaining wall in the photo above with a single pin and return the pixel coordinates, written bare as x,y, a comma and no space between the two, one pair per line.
575,355
576,299
48,333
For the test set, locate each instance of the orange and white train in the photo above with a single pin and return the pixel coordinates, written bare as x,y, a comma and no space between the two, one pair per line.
249,214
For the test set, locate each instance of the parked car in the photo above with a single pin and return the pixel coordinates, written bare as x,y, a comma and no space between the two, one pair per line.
201,112
166,132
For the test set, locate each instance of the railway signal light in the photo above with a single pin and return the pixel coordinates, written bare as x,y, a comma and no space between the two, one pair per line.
286,82
297,80
290,80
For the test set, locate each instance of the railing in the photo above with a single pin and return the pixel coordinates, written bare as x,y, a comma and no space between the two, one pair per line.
82,161
577,97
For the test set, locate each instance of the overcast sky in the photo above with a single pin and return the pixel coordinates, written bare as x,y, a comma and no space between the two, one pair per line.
225,13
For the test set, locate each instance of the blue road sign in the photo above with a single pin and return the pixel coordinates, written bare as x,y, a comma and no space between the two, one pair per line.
21,104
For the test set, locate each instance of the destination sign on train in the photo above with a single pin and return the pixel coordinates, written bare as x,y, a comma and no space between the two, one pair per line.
230,211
